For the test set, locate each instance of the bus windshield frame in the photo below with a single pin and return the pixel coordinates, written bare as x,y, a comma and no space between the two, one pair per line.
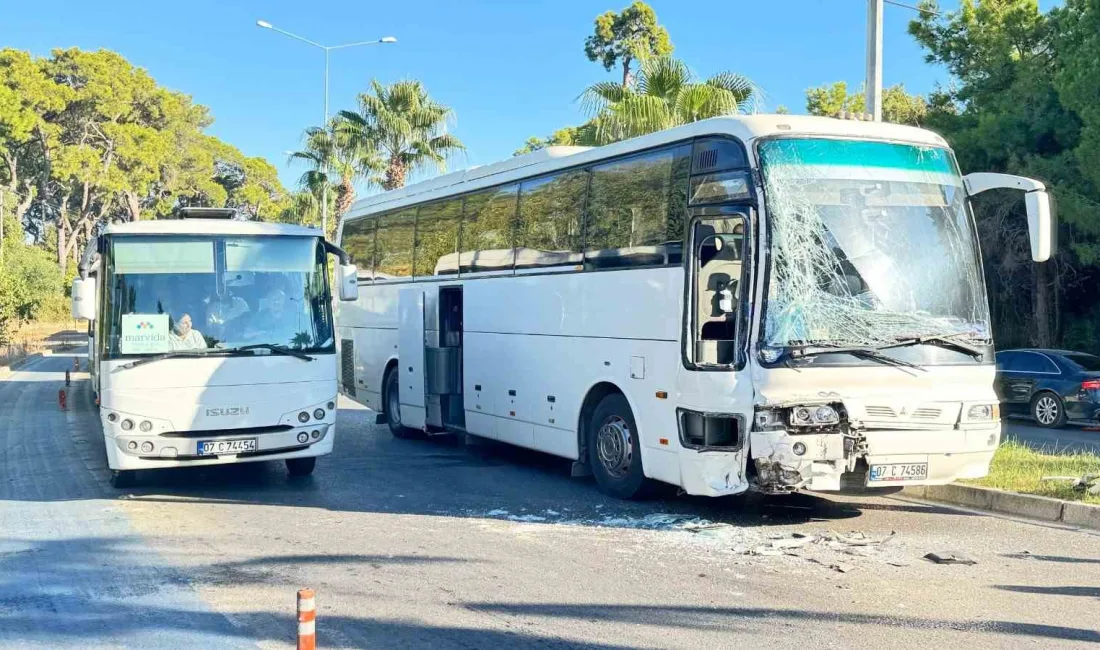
872,242
235,290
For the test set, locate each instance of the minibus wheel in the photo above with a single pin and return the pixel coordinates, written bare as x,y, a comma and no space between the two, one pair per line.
301,466
392,400
614,453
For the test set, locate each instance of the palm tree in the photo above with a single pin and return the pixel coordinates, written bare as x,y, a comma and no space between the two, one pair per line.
406,126
332,154
663,94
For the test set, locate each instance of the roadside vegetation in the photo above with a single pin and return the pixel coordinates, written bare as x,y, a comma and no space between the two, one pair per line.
1019,468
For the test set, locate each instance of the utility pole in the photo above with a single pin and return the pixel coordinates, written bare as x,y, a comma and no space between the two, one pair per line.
873,85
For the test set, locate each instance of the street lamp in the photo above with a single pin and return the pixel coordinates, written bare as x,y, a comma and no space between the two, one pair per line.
327,48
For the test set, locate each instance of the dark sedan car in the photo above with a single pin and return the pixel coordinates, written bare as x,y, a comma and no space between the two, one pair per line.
1052,386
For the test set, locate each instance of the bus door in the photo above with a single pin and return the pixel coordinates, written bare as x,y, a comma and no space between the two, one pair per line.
410,356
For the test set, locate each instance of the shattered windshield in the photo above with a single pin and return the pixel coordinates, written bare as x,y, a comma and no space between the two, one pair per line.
871,242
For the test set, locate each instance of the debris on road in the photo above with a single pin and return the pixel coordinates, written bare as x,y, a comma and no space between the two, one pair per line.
1089,483
950,557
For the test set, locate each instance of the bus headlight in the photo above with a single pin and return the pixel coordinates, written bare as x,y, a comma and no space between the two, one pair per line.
983,413
127,425
303,417
319,414
814,416
146,426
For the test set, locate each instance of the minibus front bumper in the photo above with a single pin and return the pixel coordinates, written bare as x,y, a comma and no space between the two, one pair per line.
138,451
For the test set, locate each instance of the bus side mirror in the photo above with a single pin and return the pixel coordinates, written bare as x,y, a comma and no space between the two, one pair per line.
348,277
84,298
1040,207
1040,224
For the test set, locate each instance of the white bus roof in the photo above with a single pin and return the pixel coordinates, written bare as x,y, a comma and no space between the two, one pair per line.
208,227
745,127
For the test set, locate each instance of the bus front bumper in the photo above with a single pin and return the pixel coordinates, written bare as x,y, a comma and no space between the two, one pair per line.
878,458
133,451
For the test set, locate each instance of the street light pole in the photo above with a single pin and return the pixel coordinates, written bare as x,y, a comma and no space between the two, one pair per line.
873,84
386,40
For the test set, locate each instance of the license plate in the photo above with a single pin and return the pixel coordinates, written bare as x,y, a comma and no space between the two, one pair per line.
216,447
898,472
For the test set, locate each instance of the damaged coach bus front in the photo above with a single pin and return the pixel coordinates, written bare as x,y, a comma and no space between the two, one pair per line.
874,357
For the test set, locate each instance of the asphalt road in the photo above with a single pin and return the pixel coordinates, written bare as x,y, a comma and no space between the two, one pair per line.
433,543
1066,439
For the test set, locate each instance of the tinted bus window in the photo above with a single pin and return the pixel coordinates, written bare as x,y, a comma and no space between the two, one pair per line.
548,232
488,229
358,241
395,244
437,238
630,219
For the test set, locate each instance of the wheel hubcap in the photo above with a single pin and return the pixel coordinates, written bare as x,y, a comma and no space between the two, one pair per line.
614,446
394,407
1046,410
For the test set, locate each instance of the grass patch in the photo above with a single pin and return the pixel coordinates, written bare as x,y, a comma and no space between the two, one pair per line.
1019,468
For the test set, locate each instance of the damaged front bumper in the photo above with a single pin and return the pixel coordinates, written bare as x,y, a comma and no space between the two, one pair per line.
785,461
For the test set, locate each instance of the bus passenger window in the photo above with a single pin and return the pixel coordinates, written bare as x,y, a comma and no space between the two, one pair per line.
437,238
488,228
631,219
358,241
395,238
548,232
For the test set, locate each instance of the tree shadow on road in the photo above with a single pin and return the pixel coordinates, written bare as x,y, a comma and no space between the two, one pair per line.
111,591
730,618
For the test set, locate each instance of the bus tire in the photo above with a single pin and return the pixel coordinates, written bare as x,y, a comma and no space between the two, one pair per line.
392,399
123,478
614,453
301,466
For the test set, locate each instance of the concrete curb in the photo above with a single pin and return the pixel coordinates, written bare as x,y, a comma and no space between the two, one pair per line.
1029,506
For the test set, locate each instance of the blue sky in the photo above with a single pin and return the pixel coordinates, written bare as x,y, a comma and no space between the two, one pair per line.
510,69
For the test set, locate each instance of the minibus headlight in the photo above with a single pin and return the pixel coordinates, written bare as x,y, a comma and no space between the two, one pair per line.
112,417
303,417
319,414
127,424
146,426
146,447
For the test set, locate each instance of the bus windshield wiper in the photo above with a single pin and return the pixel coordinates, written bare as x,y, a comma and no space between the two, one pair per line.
947,341
206,352
871,354
167,355
275,349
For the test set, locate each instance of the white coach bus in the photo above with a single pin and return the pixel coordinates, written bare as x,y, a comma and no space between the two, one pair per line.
211,341
768,301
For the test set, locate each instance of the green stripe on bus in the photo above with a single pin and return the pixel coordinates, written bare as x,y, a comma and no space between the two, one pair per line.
814,151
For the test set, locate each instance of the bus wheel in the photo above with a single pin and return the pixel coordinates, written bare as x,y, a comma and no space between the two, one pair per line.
613,449
301,466
393,409
123,478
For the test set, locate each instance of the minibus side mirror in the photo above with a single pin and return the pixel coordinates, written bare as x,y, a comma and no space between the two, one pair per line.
84,298
348,277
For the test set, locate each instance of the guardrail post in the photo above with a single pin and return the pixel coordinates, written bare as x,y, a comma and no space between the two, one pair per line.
307,620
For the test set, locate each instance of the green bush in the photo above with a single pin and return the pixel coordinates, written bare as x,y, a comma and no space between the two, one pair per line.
31,286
